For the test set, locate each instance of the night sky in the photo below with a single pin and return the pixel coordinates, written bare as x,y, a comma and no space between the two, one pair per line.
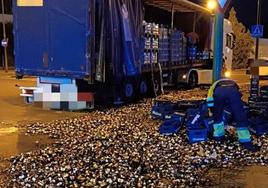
246,12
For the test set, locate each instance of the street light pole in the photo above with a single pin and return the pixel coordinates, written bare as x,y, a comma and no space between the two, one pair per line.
4,34
218,45
258,23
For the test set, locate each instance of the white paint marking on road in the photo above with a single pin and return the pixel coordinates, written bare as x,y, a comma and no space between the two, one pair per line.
9,130
14,79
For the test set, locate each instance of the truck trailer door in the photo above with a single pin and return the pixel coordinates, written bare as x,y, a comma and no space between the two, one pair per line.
30,36
52,38
68,35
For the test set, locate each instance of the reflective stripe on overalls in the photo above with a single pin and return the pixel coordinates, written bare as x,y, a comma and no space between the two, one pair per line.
210,100
243,134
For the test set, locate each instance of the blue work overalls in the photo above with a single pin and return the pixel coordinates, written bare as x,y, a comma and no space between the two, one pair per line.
226,94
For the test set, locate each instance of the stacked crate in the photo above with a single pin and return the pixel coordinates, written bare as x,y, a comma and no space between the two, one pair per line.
192,52
264,92
151,43
203,55
254,93
184,48
163,45
176,46
258,100
147,43
155,43
254,87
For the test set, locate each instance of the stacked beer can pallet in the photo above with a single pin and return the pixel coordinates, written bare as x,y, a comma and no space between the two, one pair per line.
192,52
177,51
151,43
163,45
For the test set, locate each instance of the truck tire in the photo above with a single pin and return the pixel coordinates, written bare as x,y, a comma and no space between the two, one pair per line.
128,91
143,88
193,80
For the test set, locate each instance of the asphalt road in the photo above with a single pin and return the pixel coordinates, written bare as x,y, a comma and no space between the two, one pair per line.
14,112
13,107
240,76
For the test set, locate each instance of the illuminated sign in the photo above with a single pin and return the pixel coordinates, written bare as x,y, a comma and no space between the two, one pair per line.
257,31
30,3
222,3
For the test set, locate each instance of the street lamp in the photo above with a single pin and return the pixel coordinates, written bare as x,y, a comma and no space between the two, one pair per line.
212,4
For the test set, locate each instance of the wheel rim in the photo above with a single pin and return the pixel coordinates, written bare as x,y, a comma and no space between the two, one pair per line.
193,80
129,90
143,87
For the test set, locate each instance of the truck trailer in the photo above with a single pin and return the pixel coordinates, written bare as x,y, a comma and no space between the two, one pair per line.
111,51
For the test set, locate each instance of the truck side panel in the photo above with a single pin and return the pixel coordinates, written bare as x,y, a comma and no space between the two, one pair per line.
53,39
30,39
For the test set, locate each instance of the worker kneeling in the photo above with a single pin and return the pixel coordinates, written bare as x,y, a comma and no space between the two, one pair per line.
222,94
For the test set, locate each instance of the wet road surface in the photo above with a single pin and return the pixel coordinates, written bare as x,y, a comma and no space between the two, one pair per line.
14,114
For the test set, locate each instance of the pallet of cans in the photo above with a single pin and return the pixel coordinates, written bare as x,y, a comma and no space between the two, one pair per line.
184,48
151,43
177,47
192,52
163,45
155,29
146,57
203,55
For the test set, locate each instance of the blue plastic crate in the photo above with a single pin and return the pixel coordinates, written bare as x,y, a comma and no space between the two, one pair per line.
258,126
163,110
172,126
260,129
197,135
157,112
195,122
191,112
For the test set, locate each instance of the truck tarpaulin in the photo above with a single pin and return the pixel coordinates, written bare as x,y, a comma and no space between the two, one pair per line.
122,21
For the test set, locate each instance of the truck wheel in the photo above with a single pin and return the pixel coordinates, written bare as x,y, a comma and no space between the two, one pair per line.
143,88
193,80
128,91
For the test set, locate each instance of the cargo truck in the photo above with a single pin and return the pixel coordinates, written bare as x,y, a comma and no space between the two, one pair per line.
116,51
